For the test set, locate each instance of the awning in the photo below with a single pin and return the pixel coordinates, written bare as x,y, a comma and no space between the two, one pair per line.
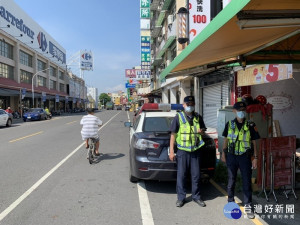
9,92
166,46
160,19
223,39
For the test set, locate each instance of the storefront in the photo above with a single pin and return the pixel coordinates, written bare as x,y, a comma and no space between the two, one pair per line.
214,97
283,94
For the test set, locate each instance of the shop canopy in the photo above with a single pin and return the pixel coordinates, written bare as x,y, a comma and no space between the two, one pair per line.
245,31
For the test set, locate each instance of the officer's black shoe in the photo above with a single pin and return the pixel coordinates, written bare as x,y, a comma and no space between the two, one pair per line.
200,202
179,203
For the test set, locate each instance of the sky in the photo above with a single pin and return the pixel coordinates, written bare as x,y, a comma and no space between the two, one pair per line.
109,28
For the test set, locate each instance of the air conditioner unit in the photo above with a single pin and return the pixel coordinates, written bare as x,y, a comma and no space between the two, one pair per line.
163,32
170,19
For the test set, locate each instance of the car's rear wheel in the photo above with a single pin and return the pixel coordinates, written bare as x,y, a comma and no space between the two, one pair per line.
133,179
9,122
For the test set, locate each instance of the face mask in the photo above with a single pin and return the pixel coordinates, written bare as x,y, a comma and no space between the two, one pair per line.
241,114
189,109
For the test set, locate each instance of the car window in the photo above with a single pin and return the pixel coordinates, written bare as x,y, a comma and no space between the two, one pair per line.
1,112
154,124
136,122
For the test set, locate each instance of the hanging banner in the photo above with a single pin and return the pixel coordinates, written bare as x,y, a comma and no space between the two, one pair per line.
130,73
262,74
129,85
199,17
138,74
44,96
23,93
56,98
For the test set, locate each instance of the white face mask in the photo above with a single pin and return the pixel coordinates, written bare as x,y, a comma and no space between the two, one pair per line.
190,109
241,114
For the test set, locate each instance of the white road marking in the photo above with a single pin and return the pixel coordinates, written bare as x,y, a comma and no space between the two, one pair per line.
40,181
147,218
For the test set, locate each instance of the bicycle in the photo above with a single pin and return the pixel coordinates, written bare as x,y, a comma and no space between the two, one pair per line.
92,146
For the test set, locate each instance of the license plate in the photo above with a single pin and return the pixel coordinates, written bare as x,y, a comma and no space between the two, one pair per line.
169,151
28,117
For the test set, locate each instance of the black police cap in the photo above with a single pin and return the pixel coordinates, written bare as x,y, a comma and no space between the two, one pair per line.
239,105
189,99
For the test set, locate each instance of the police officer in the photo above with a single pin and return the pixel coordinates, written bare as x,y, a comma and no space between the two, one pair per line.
186,130
238,148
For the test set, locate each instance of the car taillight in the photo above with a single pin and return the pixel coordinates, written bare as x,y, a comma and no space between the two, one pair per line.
143,144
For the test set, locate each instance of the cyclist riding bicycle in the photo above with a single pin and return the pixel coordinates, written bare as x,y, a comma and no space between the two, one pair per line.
90,129
47,111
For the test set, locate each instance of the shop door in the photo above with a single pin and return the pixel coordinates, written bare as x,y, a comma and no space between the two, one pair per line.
214,98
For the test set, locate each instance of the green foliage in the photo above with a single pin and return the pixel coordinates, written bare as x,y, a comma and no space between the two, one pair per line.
104,98
221,176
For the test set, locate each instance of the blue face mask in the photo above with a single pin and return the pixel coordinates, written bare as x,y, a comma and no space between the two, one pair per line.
190,109
241,114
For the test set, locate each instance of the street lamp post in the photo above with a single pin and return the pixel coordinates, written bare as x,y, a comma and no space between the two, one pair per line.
32,89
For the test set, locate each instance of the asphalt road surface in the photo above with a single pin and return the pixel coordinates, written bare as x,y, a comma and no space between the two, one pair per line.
46,179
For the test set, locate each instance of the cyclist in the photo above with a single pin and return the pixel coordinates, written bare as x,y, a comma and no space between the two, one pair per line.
47,111
90,124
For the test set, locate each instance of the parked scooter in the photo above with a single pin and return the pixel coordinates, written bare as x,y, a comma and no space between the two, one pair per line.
16,115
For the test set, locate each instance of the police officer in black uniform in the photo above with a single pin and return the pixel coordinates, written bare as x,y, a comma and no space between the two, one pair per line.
187,160
238,148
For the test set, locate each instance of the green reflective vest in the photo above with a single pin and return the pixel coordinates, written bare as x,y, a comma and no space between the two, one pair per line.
240,138
187,135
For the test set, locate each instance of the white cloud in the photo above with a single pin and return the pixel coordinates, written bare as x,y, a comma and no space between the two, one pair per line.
119,87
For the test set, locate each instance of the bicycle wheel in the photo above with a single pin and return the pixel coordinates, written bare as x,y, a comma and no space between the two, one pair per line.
91,149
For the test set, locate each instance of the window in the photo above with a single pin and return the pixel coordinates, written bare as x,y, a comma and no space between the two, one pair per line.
52,84
61,75
25,59
62,87
6,71
6,49
26,77
136,122
41,65
154,124
173,52
52,71
42,81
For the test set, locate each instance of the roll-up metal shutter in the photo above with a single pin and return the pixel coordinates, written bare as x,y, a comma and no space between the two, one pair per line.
214,97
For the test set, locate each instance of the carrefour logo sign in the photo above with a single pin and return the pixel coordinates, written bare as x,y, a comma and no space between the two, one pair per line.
86,56
18,23
42,41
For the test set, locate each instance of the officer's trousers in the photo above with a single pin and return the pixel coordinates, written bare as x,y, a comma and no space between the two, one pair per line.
242,162
188,161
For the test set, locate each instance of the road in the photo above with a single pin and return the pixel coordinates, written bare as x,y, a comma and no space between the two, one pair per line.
46,179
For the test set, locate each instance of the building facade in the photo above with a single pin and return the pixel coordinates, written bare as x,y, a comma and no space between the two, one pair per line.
93,93
33,71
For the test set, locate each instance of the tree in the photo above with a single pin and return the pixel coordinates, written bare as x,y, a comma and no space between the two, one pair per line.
104,98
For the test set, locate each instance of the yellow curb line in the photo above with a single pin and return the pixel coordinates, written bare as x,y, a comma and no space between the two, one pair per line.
25,137
255,220
71,122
